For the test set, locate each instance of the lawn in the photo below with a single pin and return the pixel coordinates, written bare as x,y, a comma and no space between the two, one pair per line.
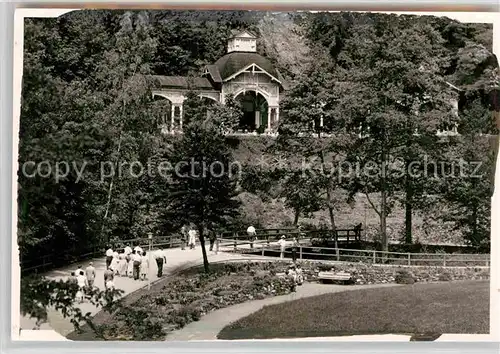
456,307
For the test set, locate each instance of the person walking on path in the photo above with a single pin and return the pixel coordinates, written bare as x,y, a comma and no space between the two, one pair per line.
78,270
138,250
115,263
184,237
127,250
295,247
252,235
161,259
122,266
109,256
82,284
144,266
136,259
192,238
212,235
90,274
108,275
282,243
72,278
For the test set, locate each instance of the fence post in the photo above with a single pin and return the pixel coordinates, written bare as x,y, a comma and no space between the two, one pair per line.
171,242
235,245
409,259
338,254
217,245
300,252
444,260
374,256
263,249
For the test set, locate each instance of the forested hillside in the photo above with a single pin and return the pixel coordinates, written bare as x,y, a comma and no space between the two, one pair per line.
87,100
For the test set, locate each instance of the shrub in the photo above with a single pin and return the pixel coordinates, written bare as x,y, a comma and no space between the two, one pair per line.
445,277
404,277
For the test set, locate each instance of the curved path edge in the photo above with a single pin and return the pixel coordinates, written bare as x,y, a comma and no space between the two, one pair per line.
210,325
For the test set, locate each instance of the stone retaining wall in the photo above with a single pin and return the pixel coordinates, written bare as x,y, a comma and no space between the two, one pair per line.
370,274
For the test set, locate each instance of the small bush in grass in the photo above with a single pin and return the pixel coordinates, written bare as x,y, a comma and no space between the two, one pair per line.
404,277
445,277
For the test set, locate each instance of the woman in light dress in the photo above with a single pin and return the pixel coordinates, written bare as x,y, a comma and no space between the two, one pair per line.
123,265
192,238
144,266
130,266
115,263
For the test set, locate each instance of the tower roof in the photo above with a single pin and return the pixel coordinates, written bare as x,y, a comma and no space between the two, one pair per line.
242,34
233,62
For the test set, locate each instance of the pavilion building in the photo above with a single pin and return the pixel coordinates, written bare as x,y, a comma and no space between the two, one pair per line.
243,73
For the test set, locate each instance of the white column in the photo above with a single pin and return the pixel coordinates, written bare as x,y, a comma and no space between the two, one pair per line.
172,118
277,116
257,119
180,117
269,118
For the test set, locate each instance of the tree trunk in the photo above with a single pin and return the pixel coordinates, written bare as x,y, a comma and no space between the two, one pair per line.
296,218
383,201
110,189
408,206
203,250
330,208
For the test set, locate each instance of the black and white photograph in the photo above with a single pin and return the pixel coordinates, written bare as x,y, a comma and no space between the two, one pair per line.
255,175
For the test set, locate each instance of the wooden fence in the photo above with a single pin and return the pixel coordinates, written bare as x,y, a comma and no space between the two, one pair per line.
48,261
269,247
342,235
303,252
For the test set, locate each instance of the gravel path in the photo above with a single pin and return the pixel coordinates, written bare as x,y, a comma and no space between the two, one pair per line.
209,326
176,259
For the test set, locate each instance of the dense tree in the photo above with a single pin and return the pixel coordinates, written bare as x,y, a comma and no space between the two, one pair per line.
87,99
398,98
202,180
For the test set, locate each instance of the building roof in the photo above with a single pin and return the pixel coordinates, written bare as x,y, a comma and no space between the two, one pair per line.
233,62
183,82
241,33
214,73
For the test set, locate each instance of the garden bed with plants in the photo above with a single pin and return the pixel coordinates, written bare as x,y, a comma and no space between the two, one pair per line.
181,299
178,300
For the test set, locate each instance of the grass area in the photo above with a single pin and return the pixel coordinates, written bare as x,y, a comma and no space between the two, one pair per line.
458,307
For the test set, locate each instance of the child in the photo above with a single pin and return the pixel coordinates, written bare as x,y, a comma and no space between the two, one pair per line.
300,275
144,266
115,263
110,285
292,274
79,296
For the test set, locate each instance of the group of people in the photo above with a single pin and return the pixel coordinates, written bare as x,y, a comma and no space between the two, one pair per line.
189,234
128,262
85,281
133,263
295,247
295,273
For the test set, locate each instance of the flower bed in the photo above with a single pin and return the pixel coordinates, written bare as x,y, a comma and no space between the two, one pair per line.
184,298
181,299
